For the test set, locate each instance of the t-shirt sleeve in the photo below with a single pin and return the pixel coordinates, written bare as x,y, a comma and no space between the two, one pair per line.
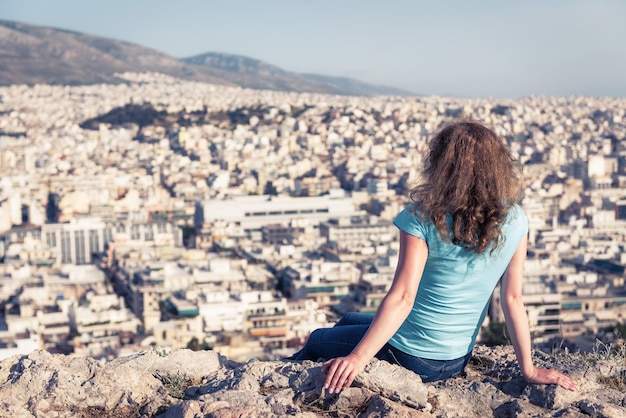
410,223
519,218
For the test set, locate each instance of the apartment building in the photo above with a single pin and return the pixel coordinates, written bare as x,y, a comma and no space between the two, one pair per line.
245,216
355,232
80,239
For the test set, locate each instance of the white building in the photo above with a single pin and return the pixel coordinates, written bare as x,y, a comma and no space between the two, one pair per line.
250,213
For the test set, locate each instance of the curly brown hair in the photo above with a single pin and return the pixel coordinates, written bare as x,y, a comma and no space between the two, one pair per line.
471,179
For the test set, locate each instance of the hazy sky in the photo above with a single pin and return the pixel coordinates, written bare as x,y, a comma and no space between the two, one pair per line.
458,48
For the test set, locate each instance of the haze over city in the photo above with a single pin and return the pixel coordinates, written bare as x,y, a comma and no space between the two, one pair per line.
455,48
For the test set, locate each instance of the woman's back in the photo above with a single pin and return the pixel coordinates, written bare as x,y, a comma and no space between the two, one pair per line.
455,288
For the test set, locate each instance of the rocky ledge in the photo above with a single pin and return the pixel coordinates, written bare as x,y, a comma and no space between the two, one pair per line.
189,384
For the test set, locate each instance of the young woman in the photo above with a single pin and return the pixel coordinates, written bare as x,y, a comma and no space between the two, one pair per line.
462,233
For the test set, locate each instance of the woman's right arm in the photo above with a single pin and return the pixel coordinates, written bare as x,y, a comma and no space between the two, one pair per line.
517,324
393,310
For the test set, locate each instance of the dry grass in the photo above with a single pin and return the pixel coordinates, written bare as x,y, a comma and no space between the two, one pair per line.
608,358
176,384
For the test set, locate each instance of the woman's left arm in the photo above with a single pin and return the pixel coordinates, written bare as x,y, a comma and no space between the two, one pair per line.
517,324
391,313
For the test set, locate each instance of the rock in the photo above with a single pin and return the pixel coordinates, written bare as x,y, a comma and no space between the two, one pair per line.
187,409
379,407
394,382
44,385
188,384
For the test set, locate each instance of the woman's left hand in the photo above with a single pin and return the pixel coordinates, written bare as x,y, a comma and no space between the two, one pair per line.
548,376
341,372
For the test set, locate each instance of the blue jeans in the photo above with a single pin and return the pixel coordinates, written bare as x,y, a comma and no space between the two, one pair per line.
340,340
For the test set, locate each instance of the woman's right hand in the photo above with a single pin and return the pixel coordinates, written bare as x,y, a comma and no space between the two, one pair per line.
341,372
550,377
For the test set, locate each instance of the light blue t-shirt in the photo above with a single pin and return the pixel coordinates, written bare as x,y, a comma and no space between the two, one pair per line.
455,289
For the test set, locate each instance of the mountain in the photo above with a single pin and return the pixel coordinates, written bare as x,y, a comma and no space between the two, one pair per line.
256,74
32,54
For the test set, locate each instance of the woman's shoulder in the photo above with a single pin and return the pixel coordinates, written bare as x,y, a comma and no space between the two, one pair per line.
414,212
517,211
517,217
412,220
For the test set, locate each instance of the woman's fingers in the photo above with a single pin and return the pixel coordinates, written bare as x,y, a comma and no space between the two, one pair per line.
565,382
333,375
560,379
340,374
337,376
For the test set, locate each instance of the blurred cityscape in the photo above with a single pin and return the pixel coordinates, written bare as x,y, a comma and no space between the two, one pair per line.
169,213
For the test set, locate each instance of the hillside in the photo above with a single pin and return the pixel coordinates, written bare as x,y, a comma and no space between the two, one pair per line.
32,54
186,384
